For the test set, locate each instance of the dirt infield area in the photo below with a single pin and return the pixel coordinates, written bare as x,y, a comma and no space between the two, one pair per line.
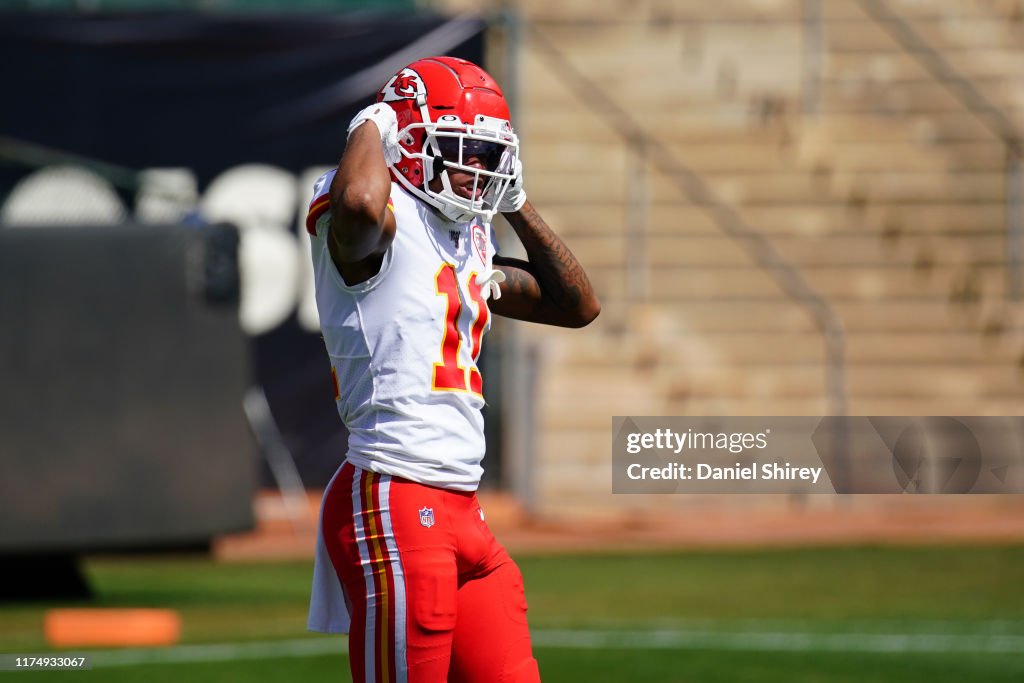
287,529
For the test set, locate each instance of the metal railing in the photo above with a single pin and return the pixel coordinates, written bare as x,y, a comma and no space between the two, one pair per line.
813,53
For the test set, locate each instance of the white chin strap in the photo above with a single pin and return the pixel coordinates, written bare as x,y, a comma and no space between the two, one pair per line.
452,206
489,286
450,209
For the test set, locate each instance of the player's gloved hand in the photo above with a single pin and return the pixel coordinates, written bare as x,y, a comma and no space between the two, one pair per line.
387,125
515,195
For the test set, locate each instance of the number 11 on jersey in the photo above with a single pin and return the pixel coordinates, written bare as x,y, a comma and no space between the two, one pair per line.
449,375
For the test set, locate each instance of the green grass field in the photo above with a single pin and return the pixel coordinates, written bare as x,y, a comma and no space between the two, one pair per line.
825,614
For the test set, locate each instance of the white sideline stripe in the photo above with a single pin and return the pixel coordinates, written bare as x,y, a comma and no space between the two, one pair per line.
220,652
779,641
758,625
600,640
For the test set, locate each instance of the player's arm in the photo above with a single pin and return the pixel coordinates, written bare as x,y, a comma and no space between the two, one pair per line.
362,226
551,287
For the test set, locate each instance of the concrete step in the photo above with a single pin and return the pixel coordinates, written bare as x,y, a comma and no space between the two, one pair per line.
580,387
977,156
687,251
692,123
923,128
703,356
595,414
653,12
918,97
910,229
647,353
866,284
981,34
966,286
784,315
897,65
999,333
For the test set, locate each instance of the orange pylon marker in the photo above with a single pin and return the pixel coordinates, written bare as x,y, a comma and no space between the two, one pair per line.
111,627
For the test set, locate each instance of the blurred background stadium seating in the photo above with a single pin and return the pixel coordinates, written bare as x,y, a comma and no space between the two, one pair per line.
788,207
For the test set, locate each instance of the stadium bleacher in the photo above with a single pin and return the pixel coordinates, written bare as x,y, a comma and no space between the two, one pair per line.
890,200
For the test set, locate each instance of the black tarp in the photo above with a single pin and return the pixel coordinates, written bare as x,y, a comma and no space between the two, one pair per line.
122,366
203,91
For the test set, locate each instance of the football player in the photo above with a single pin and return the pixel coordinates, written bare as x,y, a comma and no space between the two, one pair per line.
406,282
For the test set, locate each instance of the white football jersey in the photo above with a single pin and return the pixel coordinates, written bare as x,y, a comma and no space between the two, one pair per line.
403,345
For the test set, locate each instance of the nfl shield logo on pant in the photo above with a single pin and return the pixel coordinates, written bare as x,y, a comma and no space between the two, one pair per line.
427,517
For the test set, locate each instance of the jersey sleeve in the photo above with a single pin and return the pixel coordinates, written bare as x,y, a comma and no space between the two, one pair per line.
321,201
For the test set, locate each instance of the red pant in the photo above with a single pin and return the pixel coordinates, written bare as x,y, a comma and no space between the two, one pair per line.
432,595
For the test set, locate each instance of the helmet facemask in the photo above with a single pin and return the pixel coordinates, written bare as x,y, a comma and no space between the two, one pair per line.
448,146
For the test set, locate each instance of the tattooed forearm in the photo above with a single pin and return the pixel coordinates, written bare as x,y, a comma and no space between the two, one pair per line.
552,287
519,282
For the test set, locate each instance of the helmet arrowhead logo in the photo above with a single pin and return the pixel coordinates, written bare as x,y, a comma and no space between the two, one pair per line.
405,85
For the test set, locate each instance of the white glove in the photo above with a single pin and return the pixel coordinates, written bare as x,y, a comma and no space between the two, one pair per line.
387,125
515,195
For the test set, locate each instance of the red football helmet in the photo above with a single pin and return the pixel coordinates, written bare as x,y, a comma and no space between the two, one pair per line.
449,110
